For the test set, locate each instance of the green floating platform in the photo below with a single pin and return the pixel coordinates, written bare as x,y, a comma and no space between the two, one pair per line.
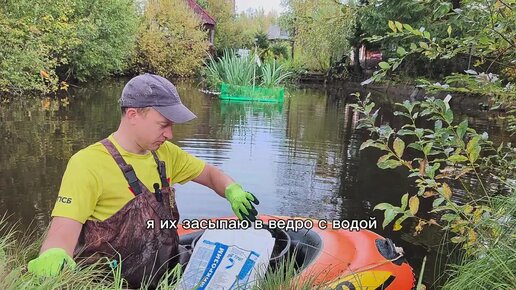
247,93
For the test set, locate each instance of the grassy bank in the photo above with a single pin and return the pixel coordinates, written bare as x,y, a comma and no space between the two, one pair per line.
18,248
493,265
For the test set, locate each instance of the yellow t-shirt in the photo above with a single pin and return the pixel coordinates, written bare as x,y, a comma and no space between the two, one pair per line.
94,187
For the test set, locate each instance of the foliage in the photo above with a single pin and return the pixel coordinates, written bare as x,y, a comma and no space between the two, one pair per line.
256,22
438,159
373,15
268,50
226,34
443,155
273,74
202,3
494,268
236,31
23,55
231,69
280,50
51,40
489,45
320,30
243,71
261,40
171,41
284,276
107,38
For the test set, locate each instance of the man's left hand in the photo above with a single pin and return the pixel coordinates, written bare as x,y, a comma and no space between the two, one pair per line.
240,201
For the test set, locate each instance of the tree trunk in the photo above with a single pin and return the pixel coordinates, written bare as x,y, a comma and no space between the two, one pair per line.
356,57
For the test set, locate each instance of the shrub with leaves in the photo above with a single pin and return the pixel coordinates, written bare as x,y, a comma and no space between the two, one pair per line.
489,45
436,157
469,181
47,42
171,40
439,158
320,30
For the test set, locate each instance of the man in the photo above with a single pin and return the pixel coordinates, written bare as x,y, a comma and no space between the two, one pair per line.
112,188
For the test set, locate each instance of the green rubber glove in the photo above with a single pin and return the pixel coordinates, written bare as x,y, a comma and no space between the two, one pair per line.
51,262
240,201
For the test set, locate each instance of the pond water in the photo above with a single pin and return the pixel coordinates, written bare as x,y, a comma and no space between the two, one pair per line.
300,158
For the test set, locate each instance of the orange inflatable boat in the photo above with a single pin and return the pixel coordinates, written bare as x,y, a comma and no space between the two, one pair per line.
334,258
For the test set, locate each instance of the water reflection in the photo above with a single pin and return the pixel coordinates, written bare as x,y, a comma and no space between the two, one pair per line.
301,157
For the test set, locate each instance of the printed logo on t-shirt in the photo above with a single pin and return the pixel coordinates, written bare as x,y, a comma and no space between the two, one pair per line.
64,199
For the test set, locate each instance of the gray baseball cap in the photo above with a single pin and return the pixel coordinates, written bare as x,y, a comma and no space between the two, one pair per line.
150,90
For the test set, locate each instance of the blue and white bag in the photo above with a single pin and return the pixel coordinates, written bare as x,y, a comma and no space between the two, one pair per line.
228,259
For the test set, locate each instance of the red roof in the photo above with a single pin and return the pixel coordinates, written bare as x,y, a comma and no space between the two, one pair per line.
205,17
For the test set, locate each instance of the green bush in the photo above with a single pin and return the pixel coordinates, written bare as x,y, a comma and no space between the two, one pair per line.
171,41
483,220
319,30
107,33
45,41
23,55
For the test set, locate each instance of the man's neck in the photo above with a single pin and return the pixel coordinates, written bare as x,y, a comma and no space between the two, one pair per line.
127,143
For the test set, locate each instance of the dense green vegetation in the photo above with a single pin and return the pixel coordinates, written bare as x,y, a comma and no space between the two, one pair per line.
320,31
232,69
170,41
46,42
469,46
447,48
445,160
236,30
46,45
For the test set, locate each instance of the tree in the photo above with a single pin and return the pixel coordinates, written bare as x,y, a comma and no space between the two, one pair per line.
46,41
171,41
488,45
225,31
107,31
320,31
441,151
237,30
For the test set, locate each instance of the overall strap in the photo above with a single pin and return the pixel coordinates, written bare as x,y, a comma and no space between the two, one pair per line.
127,169
162,170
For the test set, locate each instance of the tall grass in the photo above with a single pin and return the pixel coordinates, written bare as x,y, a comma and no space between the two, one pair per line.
495,270
17,249
231,69
273,74
243,71
285,275
493,266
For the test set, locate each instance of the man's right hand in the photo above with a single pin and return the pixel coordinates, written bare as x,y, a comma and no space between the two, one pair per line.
51,262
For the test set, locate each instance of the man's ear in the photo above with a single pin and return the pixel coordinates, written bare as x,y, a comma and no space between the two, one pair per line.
131,113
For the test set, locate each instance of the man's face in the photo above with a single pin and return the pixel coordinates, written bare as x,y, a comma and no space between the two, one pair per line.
151,129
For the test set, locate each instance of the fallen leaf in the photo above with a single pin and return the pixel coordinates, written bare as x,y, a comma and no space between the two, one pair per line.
422,166
44,74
